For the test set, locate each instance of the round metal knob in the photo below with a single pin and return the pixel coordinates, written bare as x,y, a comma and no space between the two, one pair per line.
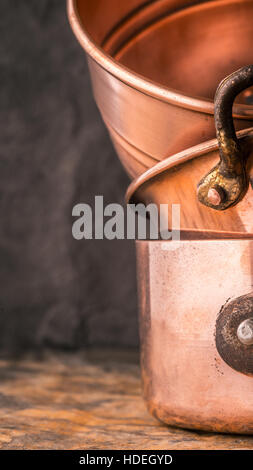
245,331
234,334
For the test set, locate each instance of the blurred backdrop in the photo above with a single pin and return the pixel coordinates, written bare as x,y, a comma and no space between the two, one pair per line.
55,152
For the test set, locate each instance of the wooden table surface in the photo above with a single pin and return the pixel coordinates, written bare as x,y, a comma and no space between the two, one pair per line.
89,401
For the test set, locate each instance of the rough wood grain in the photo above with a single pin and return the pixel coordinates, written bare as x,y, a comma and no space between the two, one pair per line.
88,402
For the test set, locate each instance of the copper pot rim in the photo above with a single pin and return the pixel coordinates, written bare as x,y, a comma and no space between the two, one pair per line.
136,81
207,236
177,159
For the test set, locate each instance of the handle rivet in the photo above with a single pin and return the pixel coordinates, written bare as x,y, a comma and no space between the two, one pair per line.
214,197
245,332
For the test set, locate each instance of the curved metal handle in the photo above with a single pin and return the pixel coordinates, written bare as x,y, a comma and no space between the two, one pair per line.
227,182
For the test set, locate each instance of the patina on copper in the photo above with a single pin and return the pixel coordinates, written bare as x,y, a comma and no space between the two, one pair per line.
227,182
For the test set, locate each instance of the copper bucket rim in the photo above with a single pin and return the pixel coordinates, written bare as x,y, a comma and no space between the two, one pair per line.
139,82
192,153
178,159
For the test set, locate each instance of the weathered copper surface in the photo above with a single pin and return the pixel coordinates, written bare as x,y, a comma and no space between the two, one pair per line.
182,288
174,181
151,77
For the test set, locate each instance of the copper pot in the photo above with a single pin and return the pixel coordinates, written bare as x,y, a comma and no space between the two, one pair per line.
155,66
196,352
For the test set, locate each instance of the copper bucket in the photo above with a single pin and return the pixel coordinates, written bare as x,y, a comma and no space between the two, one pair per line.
155,66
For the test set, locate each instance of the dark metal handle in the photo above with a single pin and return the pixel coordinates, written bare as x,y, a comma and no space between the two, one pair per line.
234,333
227,182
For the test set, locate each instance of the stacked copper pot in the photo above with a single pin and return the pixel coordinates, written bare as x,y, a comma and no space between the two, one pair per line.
156,67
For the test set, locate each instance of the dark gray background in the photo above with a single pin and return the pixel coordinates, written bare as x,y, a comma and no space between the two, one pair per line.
55,152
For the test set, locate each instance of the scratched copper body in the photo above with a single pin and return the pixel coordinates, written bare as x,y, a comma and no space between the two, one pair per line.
182,288
155,66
